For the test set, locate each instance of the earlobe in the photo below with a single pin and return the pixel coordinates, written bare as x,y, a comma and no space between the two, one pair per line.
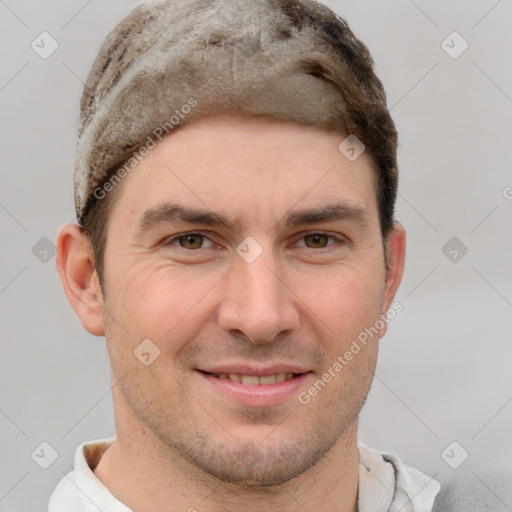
75,265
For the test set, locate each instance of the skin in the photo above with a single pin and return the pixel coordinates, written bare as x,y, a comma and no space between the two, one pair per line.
303,300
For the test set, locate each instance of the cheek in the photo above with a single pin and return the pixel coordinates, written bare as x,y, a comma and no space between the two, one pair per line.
161,302
347,299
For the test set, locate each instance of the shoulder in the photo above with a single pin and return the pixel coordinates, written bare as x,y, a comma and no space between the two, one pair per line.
485,488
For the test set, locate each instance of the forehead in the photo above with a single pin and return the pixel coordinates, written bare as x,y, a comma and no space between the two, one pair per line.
246,167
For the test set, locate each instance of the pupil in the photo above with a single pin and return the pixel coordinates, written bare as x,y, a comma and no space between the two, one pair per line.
318,239
192,241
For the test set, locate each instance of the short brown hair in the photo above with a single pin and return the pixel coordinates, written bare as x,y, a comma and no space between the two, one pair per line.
294,60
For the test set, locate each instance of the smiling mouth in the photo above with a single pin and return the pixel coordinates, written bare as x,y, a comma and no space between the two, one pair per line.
254,380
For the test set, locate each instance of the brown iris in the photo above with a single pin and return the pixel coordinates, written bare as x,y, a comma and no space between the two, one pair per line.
318,240
191,241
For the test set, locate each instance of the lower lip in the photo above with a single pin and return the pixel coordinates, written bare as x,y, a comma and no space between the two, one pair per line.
257,396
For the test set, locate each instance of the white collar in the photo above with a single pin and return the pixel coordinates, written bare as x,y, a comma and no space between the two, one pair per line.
386,484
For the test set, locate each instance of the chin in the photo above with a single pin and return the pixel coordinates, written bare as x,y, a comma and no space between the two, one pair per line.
265,462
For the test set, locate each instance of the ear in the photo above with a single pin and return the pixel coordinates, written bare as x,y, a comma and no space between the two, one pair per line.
395,267
75,264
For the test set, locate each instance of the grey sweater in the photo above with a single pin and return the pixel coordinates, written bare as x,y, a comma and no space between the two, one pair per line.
483,489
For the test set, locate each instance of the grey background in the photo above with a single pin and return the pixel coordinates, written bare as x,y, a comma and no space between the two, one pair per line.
444,369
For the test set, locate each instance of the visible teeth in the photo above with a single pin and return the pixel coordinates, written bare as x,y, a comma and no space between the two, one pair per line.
250,380
254,380
268,379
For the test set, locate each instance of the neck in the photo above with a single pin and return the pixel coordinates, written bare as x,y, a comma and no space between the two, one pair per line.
147,475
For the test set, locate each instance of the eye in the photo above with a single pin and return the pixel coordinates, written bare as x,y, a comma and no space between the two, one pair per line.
317,240
189,241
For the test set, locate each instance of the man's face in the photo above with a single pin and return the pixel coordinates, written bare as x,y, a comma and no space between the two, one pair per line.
275,292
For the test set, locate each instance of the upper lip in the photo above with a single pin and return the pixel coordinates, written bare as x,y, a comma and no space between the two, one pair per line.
258,371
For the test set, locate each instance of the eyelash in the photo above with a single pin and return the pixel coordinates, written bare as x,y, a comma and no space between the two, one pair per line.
170,241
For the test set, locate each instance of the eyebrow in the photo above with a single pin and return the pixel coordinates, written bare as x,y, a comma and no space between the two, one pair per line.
330,212
172,213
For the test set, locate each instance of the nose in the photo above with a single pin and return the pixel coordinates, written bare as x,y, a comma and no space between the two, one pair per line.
257,300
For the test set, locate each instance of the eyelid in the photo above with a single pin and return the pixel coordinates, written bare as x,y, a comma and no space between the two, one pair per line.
337,238
173,238
168,241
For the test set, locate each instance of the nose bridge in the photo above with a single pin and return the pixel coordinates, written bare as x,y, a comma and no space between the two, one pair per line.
256,302
261,283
